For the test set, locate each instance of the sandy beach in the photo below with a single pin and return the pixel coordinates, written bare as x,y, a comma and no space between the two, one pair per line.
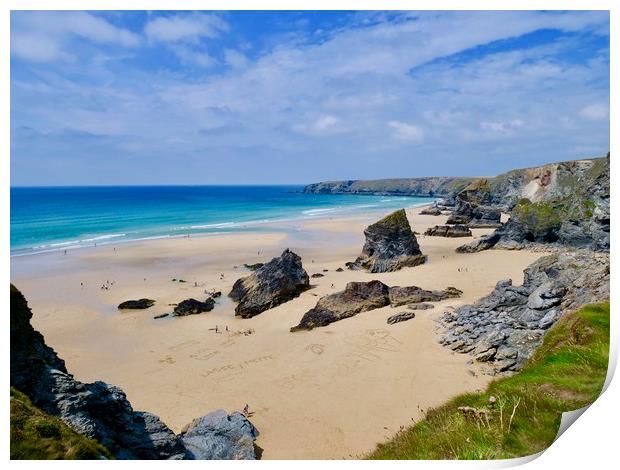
329,393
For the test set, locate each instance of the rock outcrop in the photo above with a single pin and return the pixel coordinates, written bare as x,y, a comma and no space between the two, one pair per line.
355,298
360,297
399,317
278,281
97,410
414,295
193,307
450,231
221,436
136,304
430,211
505,327
562,204
390,245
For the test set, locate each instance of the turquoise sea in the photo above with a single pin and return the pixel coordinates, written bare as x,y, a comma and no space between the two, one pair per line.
59,218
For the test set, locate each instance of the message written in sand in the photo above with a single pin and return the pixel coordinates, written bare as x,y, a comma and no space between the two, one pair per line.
237,366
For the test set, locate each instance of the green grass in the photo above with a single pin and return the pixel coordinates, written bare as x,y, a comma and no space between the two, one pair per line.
36,435
566,373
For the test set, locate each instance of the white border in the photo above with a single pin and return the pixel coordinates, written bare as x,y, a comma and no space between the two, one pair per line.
591,443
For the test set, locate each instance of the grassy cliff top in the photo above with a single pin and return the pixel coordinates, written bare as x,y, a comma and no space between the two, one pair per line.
35,435
566,373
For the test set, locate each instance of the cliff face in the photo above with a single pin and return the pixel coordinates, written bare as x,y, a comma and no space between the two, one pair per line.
441,186
102,412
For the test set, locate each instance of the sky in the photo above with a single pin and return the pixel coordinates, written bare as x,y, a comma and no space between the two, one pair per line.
165,97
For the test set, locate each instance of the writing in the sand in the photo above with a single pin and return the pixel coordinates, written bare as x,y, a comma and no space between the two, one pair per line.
240,365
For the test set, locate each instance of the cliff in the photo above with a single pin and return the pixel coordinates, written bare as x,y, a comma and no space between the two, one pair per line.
441,186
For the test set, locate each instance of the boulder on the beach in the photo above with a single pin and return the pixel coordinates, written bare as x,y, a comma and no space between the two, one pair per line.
136,304
414,295
193,307
317,275
430,211
220,436
458,219
449,231
278,281
355,298
339,270
404,316
390,245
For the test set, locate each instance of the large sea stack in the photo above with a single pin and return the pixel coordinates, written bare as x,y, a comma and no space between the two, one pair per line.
390,245
278,281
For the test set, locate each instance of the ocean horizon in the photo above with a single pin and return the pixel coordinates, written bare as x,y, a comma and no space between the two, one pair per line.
54,218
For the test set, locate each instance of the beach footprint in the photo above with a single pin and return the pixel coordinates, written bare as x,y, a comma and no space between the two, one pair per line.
317,349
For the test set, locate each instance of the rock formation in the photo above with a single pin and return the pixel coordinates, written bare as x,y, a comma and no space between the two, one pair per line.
413,295
430,211
97,410
450,231
193,307
390,245
221,436
136,304
278,281
357,297
505,327
360,297
404,316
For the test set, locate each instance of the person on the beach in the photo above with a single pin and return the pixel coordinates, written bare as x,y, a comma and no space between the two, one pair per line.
246,410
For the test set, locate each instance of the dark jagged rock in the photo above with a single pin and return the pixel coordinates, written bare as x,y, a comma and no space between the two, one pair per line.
193,307
458,219
136,304
162,315
390,245
339,270
404,316
221,436
505,327
357,297
316,275
360,297
96,410
278,281
450,231
414,295
430,211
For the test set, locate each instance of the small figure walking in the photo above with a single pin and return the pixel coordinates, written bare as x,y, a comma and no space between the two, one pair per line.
246,410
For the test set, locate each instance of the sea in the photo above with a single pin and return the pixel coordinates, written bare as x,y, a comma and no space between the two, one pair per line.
61,218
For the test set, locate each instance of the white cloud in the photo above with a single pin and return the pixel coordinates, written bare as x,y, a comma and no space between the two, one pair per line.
188,55
322,125
235,58
41,36
184,27
595,112
501,127
408,132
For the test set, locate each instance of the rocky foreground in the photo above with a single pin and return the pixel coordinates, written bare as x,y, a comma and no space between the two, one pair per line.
504,328
102,412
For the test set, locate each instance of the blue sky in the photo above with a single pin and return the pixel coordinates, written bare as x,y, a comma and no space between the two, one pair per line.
295,97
